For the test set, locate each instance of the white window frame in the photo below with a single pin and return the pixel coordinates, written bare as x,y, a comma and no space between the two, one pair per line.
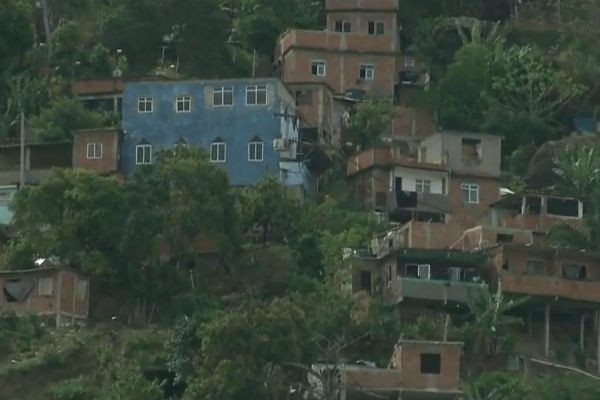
344,23
256,89
218,145
184,100
421,184
470,188
321,68
143,161
424,271
145,101
367,68
254,145
45,286
222,90
375,25
409,62
93,155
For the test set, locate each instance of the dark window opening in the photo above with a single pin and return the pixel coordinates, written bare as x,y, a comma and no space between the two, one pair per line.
574,271
17,290
563,207
389,268
431,363
343,26
504,238
365,281
505,265
9,298
533,205
471,149
376,28
411,271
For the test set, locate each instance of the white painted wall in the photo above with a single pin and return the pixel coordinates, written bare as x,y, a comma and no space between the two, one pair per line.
409,177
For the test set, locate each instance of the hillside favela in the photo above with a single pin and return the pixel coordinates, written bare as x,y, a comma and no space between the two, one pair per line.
300,200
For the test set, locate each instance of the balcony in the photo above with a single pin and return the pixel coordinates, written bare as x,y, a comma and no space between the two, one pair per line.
335,41
551,286
439,290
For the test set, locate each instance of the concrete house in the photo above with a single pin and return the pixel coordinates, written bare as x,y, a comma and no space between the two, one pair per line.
417,370
359,48
473,160
247,126
57,293
401,187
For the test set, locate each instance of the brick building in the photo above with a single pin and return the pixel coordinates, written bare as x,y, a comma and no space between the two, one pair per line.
97,150
418,369
359,48
57,293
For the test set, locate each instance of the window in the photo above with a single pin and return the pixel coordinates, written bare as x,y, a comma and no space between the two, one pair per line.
444,184
342,26
81,290
562,207
367,72
574,271
421,271
94,151
504,238
409,62
143,154
183,104
256,95
536,267
223,96
376,28
471,149
46,286
470,192
423,186
217,151
317,68
424,271
431,363
255,150
455,274
145,104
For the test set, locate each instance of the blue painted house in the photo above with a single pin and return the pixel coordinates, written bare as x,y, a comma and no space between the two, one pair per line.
248,126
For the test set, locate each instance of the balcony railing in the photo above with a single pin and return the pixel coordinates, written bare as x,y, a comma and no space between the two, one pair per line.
551,286
439,290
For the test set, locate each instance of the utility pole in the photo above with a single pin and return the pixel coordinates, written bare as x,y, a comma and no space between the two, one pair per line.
22,151
254,63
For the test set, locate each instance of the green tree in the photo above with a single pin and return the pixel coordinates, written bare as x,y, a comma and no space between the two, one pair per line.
369,121
270,207
526,82
578,170
461,90
16,38
62,118
491,325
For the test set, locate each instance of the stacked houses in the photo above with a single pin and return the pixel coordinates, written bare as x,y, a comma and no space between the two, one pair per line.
456,233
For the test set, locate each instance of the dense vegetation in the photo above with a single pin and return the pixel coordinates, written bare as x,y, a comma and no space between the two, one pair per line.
275,306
